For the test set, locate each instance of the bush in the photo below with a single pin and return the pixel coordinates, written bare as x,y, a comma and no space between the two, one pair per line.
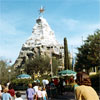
21,84
95,79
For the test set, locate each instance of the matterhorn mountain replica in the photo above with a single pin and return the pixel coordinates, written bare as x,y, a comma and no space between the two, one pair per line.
41,42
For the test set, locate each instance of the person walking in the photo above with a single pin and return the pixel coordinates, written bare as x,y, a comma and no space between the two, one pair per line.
30,93
0,90
35,87
18,96
84,91
6,95
39,95
11,91
45,82
44,94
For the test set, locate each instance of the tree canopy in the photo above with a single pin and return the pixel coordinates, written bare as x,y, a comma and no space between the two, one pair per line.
40,64
66,56
88,55
7,72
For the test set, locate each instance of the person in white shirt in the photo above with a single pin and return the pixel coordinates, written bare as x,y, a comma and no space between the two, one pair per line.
35,87
44,94
0,87
39,95
45,82
0,90
18,96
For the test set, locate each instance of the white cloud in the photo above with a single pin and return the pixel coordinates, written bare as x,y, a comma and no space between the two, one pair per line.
77,41
84,31
76,31
75,25
93,26
70,23
70,28
6,27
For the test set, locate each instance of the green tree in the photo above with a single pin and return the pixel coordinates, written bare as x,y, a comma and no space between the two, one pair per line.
88,55
3,71
40,64
6,72
55,63
66,56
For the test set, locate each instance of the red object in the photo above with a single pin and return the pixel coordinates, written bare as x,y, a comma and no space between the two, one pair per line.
12,92
56,82
66,81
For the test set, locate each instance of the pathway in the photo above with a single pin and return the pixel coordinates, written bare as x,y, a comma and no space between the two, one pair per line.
65,96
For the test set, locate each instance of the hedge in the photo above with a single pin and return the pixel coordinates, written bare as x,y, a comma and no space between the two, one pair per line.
95,79
21,84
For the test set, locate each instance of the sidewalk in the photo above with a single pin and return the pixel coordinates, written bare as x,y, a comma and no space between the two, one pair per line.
64,96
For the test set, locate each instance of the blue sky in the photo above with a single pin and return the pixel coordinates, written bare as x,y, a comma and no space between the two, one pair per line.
72,19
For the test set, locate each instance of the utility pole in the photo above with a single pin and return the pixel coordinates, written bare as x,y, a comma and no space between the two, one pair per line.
51,61
82,40
72,58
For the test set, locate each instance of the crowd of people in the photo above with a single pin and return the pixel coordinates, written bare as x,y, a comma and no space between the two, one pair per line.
36,91
8,93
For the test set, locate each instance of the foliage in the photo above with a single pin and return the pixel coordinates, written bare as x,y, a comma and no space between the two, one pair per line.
95,79
40,64
55,63
21,84
88,55
22,81
66,56
5,75
3,71
48,77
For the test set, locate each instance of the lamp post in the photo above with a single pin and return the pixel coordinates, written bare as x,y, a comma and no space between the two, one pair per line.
51,62
9,74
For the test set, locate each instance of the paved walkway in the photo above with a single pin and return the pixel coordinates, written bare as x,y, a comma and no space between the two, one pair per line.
64,96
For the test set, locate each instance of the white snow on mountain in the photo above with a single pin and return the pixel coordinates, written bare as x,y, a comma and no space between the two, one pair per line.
42,34
42,42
